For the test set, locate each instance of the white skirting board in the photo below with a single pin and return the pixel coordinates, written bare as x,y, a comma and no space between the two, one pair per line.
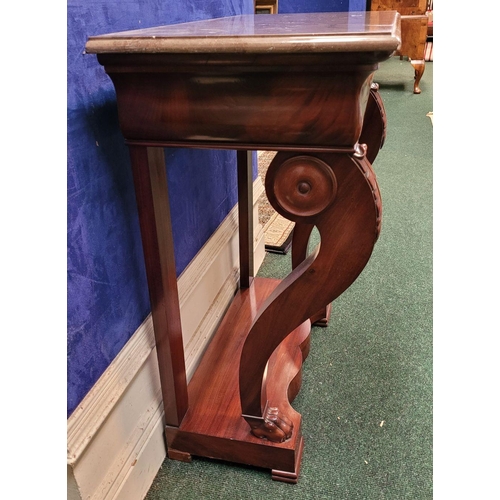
115,436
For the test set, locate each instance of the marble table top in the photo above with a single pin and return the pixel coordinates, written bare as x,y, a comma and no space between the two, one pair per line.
271,33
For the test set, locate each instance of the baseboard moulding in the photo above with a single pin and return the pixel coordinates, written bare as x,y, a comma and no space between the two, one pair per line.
116,434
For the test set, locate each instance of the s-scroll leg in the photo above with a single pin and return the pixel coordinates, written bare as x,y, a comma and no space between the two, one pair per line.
374,129
373,134
339,195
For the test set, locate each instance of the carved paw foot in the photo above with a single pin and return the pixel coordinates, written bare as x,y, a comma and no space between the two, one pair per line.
275,426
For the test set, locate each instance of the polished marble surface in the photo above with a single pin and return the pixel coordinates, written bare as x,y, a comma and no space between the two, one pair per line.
269,32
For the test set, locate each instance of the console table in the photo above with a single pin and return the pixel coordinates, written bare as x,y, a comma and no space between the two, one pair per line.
300,84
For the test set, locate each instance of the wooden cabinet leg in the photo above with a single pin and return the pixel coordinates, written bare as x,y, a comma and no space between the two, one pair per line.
245,217
150,180
419,67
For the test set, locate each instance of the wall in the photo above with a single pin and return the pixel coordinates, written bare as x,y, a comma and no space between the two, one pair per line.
107,295
290,6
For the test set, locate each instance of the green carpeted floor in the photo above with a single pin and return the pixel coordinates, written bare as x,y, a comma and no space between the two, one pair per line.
366,398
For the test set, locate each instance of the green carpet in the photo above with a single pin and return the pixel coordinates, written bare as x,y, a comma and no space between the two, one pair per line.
366,398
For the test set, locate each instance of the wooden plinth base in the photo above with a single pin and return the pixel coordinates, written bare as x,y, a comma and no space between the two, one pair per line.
213,426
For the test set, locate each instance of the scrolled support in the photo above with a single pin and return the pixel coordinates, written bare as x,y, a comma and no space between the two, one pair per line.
337,193
373,135
374,129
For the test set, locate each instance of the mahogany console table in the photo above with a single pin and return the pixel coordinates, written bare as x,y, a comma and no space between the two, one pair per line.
300,84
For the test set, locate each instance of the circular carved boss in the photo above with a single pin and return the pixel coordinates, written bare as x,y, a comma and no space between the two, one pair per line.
300,186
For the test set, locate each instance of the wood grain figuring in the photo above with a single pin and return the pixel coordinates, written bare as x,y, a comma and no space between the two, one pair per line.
286,80
175,84
213,425
300,240
373,136
404,7
312,108
415,30
348,219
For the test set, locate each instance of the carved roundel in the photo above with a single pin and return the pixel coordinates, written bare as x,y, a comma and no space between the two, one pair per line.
302,186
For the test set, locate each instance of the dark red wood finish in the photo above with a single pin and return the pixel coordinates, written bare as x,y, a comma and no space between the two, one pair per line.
337,193
245,216
191,107
306,92
148,167
213,426
373,135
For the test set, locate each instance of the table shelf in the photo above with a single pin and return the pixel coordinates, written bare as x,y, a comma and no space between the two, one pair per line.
213,426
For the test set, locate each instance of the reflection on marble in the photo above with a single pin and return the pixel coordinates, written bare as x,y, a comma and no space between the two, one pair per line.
316,32
276,25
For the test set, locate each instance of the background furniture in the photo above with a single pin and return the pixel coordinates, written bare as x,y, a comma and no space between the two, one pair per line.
413,32
429,48
266,6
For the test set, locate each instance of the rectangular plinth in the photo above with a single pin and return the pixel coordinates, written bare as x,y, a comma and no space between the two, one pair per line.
213,426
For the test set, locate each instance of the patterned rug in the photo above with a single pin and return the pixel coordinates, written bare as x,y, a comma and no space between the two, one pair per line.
277,229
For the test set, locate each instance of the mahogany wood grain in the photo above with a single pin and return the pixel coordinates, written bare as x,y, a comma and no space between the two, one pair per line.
300,240
148,167
245,216
339,195
299,105
299,84
373,134
213,426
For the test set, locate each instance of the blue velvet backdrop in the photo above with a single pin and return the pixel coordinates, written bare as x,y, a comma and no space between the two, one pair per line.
291,6
107,290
